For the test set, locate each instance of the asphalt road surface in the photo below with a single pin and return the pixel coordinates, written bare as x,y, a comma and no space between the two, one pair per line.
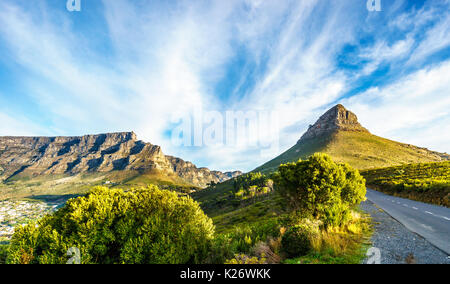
429,221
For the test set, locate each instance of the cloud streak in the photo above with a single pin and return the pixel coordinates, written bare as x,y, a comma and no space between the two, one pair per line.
135,65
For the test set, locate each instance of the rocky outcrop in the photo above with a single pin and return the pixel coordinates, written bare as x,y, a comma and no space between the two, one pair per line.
339,134
35,156
188,171
337,118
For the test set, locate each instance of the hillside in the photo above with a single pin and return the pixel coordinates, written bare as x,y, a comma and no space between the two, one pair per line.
58,164
426,182
339,134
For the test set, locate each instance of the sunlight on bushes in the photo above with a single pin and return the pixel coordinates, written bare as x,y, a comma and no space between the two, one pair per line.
146,225
315,221
426,182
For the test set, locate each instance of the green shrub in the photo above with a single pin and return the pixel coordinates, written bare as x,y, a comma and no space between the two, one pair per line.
222,248
247,180
3,253
354,189
296,240
245,259
251,185
426,182
246,236
320,188
336,214
115,226
242,239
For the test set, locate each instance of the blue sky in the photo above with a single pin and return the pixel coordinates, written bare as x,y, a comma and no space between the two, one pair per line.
135,65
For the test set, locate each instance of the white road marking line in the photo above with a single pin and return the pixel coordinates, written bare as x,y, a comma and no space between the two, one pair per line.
429,213
415,208
446,218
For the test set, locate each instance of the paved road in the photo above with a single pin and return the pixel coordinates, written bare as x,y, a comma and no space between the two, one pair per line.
429,221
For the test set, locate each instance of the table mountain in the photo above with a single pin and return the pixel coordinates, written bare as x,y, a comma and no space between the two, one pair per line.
25,157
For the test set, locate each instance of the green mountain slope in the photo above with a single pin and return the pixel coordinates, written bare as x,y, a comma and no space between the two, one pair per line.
339,134
426,182
60,185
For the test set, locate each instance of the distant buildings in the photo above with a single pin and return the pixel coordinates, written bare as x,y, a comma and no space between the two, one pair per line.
15,213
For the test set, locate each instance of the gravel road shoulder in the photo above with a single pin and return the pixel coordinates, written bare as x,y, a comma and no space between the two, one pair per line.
397,244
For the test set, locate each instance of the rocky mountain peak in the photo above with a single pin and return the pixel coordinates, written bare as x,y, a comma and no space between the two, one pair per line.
337,118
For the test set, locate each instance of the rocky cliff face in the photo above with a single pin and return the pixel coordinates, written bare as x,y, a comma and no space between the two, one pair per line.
35,156
337,118
339,134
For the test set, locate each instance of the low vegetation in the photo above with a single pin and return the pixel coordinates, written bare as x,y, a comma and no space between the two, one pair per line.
145,225
3,253
233,194
358,149
285,228
251,185
26,187
305,213
426,182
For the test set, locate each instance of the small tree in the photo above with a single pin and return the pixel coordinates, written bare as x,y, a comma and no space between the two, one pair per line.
115,226
320,188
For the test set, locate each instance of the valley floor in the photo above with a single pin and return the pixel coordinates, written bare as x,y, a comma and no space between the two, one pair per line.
397,244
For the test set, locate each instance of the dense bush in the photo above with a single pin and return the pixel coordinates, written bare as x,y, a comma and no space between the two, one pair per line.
115,226
251,192
251,185
246,236
241,239
320,188
247,180
3,253
354,189
245,259
296,241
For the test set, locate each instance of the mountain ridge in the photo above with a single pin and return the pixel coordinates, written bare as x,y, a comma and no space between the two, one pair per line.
338,133
336,118
22,156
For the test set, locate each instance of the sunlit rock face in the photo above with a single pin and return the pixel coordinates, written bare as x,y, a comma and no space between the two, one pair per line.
337,118
36,156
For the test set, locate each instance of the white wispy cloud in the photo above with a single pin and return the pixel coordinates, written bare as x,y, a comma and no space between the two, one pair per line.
18,126
410,109
436,38
61,81
164,60
382,52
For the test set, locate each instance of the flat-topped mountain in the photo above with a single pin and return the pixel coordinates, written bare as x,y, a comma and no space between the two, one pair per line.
25,157
339,134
